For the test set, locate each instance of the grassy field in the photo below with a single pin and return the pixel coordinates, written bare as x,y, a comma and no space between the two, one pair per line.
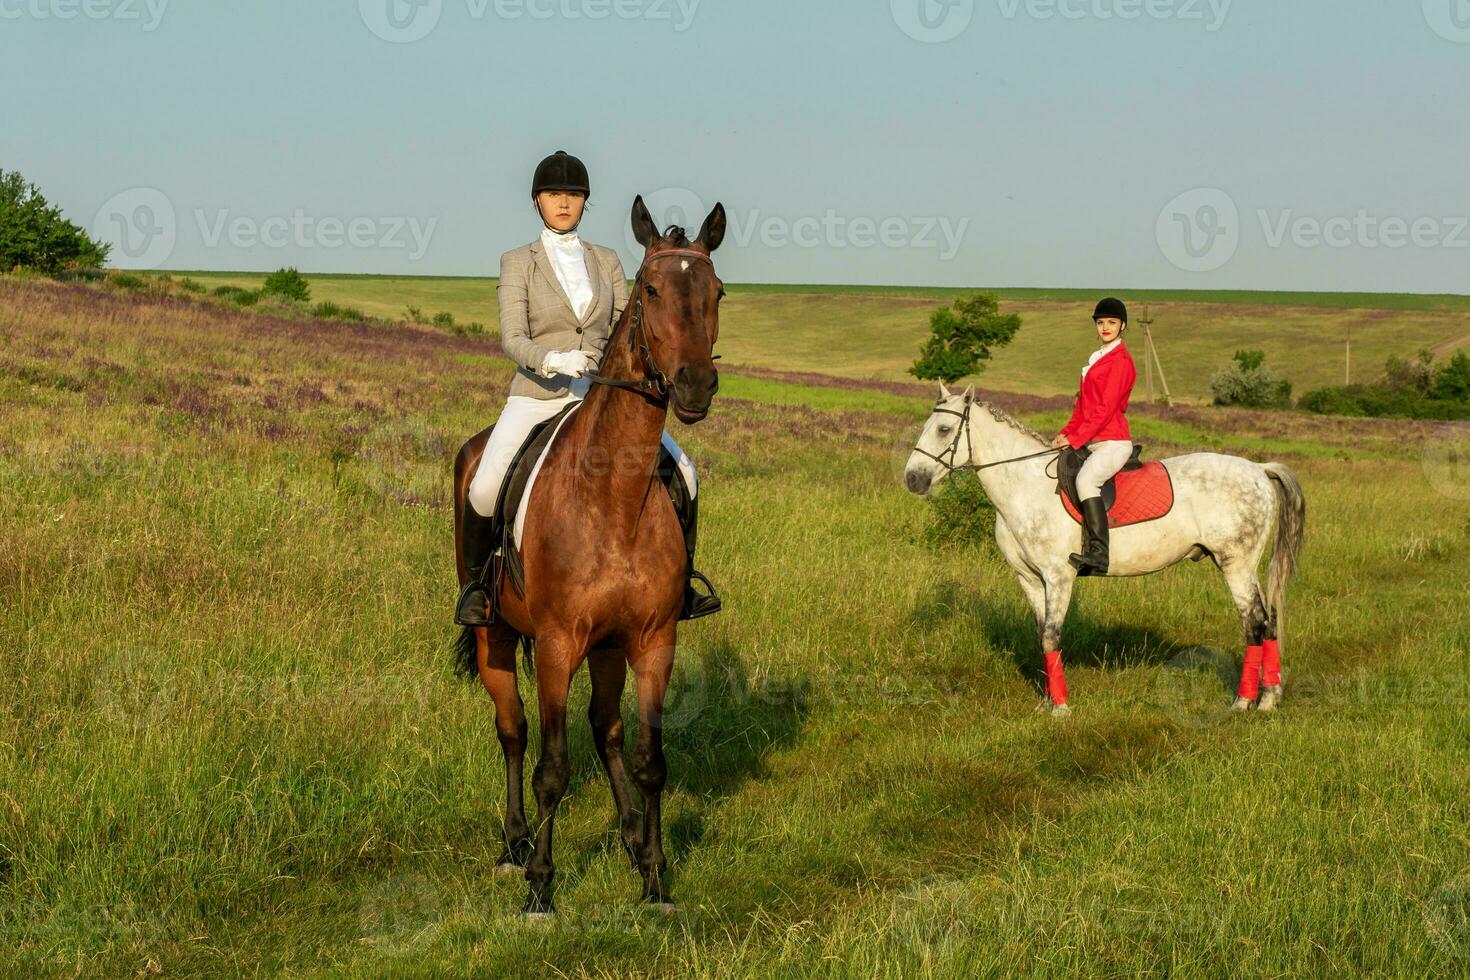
875,332
231,743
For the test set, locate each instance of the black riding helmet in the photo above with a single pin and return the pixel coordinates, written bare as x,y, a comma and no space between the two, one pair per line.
1113,308
561,172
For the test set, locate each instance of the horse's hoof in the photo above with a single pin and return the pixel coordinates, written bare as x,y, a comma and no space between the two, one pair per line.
1061,711
507,869
1270,699
537,918
664,907
1241,704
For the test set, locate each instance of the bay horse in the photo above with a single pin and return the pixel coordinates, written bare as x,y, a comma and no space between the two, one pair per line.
1223,509
603,560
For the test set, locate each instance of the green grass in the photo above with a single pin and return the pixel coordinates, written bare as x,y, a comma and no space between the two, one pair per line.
230,742
874,332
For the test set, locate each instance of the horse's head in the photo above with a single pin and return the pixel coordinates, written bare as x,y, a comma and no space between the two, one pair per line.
945,443
678,294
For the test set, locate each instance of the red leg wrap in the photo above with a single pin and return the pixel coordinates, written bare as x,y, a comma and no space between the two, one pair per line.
1250,673
1056,681
1271,665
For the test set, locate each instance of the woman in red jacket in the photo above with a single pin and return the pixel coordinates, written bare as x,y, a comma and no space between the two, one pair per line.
1100,422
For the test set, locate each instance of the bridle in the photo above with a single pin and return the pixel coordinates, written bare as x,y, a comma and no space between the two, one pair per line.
947,458
654,383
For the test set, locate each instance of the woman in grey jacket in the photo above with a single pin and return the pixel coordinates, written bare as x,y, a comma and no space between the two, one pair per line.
560,298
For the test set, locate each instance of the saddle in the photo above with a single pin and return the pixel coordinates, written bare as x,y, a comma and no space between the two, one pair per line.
1140,492
518,480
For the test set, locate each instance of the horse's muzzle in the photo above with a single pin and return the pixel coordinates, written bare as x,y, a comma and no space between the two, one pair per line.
694,390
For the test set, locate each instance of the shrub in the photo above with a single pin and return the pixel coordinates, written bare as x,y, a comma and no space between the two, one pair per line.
238,296
34,234
961,338
1247,383
191,286
1452,380
472,329
1405,375
444,321
327,310
124,280
1379,401
959,511
413,314
287,284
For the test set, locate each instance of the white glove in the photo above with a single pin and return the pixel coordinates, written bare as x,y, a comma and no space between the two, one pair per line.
572,363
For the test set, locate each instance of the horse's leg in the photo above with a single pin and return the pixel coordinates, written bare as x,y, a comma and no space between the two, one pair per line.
495,651
1245,588
1035,592
652,666
609,669
557,659
1058,600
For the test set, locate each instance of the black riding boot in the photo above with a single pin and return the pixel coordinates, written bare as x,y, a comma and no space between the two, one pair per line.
696,603
480,536
1094,557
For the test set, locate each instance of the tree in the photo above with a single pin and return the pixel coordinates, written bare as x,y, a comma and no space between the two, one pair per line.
961,338
1452,380
35,235
287,283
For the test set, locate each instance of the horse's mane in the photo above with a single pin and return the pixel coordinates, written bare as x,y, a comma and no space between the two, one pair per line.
675,236
1001,415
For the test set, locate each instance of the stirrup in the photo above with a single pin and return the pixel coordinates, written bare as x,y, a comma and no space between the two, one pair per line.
469,611
696,605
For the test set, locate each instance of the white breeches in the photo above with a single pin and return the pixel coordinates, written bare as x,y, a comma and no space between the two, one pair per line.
1107,459
520,416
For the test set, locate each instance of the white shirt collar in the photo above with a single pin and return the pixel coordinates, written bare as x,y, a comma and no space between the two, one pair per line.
1100,353
558,240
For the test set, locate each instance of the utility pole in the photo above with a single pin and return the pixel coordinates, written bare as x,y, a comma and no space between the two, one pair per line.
1347,366
1151,357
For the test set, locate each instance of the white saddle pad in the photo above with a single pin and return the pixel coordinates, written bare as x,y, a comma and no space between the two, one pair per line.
520,524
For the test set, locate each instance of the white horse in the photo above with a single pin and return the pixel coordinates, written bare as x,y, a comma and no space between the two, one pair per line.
1223,507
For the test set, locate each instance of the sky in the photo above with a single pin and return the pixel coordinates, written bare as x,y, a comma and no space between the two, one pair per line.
1198,144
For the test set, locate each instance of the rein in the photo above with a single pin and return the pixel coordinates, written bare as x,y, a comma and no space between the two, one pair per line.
654,383
954,447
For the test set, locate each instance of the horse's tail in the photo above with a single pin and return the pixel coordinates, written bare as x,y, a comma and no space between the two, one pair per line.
1291,528
466,654
466,660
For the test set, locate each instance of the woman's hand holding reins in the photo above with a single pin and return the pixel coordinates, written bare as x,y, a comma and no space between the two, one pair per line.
572,363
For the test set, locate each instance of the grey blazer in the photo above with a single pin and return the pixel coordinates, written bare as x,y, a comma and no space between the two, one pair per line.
536,316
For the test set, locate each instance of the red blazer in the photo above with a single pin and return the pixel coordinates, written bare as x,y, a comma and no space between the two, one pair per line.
1103,401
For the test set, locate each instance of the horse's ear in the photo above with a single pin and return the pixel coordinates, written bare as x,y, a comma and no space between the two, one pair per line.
712,232
644,230
943,391
969,394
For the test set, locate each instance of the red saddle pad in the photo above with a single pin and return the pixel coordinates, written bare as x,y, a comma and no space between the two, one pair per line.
1143,495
